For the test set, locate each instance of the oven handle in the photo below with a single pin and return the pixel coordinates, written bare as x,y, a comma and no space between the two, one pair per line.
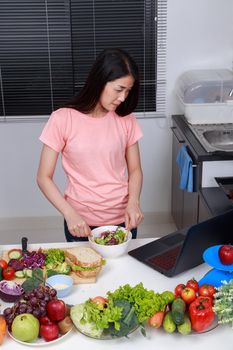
176,134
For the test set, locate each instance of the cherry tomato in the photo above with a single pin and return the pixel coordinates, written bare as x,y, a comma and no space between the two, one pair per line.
3,264
8,273
206,290
192,284
179,289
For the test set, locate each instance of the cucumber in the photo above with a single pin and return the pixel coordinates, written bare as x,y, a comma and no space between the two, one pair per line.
185,327
27,273
178,311
19,274
168,323
1,273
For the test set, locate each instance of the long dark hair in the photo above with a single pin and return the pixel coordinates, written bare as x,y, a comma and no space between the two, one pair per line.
110,64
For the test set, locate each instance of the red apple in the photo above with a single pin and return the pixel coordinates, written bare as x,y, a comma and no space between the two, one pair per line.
49,331
225,254
188,295
44,320
56,309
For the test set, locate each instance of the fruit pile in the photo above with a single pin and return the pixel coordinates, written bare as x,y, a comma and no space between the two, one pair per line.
38,314
191,309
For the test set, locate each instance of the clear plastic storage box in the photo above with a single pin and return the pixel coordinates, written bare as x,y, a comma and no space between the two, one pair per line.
206,95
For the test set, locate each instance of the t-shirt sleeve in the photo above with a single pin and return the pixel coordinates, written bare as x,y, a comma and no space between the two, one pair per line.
134,132
53,134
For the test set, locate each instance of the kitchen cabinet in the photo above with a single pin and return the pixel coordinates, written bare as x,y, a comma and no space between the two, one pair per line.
206,201
184,204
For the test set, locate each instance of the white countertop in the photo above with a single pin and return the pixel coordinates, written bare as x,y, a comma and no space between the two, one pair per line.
118,272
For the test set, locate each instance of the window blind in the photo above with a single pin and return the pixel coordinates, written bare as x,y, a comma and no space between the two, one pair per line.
48,46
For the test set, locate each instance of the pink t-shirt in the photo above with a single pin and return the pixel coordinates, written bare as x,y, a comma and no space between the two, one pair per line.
93,158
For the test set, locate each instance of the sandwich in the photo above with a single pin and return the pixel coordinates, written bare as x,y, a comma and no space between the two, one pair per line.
84,261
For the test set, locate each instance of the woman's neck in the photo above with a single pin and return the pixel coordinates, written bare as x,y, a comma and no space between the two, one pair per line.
98,112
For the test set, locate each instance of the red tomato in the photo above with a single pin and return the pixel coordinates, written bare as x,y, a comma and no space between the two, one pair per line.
3,264
192,284
179,289
99,301
8,273
206,290
188,295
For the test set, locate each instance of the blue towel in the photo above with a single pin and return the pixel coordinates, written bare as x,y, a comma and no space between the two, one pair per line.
185,163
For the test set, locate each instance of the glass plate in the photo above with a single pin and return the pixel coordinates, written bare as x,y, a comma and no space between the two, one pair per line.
40,341
211,257
105,336
213,325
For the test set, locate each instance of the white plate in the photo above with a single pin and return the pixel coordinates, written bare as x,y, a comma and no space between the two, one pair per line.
40,341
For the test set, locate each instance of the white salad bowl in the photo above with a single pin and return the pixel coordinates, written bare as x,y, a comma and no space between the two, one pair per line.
109,251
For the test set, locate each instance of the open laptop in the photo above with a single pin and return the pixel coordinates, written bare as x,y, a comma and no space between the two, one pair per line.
183,250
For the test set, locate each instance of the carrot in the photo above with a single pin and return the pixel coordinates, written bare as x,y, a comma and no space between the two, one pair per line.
156,320
2,329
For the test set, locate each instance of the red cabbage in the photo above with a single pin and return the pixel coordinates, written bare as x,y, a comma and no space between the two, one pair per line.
16,264
33,259
10,291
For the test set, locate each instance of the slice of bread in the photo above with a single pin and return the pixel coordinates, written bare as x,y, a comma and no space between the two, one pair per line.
84,257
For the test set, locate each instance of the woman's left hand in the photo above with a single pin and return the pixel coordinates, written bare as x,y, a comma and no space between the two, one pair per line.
133,215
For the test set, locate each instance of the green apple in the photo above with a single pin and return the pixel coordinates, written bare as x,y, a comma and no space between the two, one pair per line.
25,327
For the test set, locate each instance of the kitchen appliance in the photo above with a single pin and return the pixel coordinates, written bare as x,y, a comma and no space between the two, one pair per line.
206,95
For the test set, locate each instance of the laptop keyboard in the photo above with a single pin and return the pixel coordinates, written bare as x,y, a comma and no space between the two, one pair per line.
165,260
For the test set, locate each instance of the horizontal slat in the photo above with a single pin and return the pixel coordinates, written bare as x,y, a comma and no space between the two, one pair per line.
39,70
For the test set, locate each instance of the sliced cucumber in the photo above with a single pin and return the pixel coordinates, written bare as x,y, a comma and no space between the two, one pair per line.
15,254
27,273
19,274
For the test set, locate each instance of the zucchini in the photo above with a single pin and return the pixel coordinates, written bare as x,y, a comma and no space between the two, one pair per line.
19,274
178,311
15,254
1,273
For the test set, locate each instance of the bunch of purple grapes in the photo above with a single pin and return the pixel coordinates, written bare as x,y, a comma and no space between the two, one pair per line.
33,302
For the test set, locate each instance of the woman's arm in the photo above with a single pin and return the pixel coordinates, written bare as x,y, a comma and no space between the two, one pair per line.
48,160
133,215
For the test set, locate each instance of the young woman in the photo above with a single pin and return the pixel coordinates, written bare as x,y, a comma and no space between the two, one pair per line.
97,136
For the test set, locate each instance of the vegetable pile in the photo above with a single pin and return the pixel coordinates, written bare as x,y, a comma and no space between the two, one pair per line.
55,262
123,311
223,303
21,264
191,309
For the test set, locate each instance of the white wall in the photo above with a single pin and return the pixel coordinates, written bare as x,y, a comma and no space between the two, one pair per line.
200,35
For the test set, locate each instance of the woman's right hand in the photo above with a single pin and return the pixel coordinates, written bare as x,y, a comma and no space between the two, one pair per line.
77,226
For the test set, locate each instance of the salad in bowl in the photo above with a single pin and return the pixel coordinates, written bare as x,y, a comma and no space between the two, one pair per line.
110,241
